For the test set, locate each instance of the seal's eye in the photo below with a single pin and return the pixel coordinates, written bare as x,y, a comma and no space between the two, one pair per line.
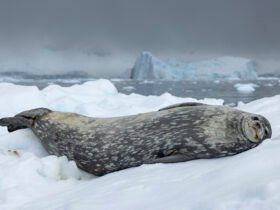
255,118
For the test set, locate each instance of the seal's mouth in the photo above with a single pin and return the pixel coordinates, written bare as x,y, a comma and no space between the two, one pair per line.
256,128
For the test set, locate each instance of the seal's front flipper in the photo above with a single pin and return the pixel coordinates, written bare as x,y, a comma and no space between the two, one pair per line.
190,104
169,159
15,123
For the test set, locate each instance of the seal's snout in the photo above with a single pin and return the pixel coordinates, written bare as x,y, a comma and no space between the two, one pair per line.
267,130
256,128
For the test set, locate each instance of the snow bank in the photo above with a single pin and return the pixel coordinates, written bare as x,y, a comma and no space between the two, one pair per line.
245,88
149,67
32,180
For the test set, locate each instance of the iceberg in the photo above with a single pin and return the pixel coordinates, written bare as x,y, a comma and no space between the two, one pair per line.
246,88
148,66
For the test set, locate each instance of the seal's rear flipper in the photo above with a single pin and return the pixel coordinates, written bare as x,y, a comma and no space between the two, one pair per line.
33,113
23,120
15,123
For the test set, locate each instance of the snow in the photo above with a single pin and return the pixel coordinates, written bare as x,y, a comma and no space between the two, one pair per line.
246,88
148,66
31,180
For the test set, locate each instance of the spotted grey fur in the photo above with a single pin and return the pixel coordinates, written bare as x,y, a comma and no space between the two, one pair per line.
173,134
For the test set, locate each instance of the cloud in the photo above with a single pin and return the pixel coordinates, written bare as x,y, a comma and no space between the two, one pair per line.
104,27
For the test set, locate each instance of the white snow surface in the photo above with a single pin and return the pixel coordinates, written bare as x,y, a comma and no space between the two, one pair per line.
246,88
32,180
148,66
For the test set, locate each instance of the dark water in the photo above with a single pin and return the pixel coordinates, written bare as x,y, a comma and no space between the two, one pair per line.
202,89
194,89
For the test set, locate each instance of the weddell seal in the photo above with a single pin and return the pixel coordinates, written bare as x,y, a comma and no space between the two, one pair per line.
176,133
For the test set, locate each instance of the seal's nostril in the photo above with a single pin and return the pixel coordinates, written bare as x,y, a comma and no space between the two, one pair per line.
267,133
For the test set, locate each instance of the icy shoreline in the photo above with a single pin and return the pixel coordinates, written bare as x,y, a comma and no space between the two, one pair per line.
30,179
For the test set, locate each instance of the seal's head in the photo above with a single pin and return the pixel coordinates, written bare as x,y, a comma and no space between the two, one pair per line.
256,128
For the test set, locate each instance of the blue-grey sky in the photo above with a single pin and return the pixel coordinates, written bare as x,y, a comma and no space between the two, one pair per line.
104,36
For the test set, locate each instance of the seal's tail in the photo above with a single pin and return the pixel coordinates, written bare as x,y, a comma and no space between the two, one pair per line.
23,119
